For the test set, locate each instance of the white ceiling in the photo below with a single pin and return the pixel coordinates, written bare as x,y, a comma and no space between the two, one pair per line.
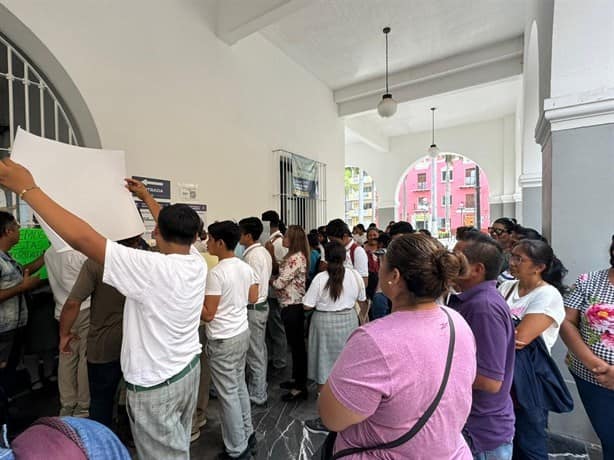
341,41
486,102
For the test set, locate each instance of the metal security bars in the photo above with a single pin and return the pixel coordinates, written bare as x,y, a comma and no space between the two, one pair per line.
27,101
306,212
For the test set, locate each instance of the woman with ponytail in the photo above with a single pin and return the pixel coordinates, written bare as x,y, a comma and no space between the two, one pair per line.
536,302
332,294
402,386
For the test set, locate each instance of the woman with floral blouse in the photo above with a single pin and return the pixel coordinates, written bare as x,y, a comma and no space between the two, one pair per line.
588,332
290,285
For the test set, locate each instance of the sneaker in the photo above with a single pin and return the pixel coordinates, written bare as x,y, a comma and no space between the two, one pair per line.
316,426
245,455
201,423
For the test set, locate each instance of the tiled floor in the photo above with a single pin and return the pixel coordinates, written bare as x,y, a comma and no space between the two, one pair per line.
279,428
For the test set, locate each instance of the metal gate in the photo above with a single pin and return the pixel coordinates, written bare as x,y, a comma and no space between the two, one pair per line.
309,213
27,101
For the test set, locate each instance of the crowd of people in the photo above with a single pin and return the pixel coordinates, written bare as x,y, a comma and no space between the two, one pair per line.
417,351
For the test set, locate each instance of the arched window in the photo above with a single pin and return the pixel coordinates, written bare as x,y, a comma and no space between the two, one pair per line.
360,197
460,195
27,101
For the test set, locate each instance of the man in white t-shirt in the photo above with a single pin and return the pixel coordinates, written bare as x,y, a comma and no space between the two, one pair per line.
356,256
164,294
63,269
231,286
277,345
257,313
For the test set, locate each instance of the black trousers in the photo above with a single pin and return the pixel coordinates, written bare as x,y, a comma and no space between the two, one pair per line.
294,323
103,379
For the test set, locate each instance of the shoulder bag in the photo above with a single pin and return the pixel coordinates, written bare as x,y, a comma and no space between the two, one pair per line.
327,448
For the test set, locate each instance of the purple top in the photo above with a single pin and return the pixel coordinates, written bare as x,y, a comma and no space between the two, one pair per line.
390,371
491,421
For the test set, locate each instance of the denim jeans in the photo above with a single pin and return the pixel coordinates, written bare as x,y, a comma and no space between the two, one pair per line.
257,356
161,419
531,439
99,442
227,363
503,452
104,379
599,405
276,335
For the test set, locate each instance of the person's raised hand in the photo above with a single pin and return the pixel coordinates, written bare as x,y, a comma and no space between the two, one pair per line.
15,177
137,187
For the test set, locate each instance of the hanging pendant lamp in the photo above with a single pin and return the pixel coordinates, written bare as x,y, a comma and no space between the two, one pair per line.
387,107
433,149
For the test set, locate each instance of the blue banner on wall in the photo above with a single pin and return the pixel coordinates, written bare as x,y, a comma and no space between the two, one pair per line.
304,177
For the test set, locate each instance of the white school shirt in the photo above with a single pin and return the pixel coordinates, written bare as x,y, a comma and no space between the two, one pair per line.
318,297
545,299
261,262
361,262
63,269
164,300
278,247
230,279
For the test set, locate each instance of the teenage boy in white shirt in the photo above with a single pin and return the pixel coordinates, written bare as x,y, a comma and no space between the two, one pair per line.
164,294
277,344
231,286
257,313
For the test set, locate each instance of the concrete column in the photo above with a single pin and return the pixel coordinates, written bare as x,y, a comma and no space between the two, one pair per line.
576,132
530,178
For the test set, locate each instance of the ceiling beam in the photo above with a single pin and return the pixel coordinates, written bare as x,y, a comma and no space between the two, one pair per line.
490,63
237,19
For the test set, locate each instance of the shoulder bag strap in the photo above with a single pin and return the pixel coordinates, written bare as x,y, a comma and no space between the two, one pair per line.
508,294
427,414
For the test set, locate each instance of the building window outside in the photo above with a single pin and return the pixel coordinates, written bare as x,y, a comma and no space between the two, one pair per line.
456,200
445,174
421,181
470,176
361,192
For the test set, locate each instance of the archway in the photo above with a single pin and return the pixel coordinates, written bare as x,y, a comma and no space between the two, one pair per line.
461,194
360,197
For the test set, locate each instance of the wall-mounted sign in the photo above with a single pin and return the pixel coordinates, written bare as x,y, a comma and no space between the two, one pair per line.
160,189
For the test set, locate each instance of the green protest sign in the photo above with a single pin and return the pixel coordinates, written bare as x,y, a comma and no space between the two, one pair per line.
32,243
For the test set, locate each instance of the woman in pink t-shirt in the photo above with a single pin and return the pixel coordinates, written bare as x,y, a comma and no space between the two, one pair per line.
391,369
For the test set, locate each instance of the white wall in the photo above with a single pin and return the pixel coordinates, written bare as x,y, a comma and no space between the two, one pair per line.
186,106
491,144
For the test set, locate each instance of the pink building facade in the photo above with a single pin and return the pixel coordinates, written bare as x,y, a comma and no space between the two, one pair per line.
456,195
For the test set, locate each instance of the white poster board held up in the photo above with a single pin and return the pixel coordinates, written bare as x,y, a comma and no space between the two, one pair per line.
87,182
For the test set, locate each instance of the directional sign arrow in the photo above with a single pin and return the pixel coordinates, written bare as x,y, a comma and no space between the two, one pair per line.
151,182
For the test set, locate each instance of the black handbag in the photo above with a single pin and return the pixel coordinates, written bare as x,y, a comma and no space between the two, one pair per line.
326,452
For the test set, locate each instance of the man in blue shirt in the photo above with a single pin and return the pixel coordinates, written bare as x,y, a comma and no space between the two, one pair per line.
490,427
